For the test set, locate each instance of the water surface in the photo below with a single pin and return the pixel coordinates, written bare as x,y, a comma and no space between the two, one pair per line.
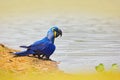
86,42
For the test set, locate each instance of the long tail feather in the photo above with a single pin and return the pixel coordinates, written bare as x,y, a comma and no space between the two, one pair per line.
24,46
23,53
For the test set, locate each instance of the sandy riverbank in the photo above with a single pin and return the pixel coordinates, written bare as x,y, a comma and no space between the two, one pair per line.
21,64
29,68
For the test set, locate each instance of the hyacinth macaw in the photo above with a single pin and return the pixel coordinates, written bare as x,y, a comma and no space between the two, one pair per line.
43,48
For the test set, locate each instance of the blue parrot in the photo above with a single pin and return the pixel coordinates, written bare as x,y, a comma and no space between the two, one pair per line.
44,47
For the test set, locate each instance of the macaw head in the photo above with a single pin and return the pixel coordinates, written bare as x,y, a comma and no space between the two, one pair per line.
54,32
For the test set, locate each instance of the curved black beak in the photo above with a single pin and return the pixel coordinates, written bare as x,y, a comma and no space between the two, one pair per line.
59,32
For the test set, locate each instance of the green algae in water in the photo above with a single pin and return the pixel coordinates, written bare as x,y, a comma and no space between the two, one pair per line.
114,67
100,68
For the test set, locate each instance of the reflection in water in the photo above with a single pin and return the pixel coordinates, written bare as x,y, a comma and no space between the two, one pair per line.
86,41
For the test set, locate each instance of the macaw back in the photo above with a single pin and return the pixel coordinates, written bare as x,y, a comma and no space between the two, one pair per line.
44,46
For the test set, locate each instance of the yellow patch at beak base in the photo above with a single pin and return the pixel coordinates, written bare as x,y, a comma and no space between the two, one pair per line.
54,33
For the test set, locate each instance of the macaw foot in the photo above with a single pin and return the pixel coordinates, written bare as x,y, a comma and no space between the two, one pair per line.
38,55
48,59
35,55
43,57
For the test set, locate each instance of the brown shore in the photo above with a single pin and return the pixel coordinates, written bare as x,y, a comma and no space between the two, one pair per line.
23,64
30,68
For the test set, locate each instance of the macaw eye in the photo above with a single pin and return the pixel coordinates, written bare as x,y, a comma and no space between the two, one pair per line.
53,29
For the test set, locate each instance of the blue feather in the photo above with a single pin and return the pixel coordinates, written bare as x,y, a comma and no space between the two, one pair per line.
45,46
24,46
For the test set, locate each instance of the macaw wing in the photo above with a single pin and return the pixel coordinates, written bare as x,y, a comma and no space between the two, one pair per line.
49,49
39,46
